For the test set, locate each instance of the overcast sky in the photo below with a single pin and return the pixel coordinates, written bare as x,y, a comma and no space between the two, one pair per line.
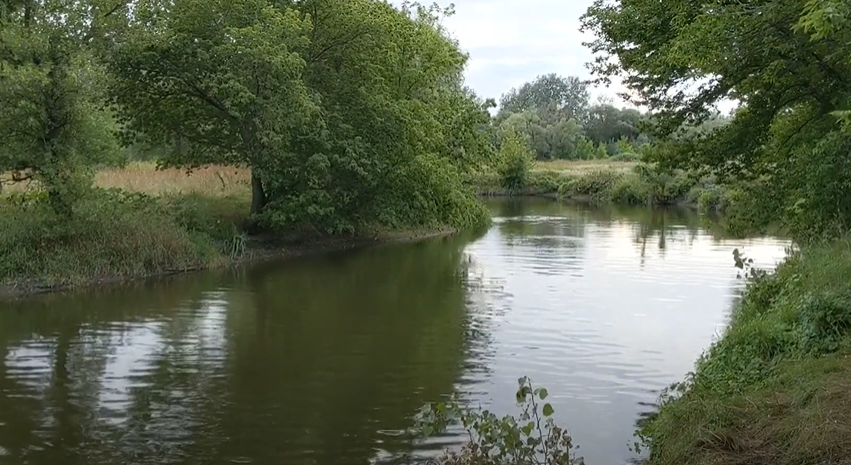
513,41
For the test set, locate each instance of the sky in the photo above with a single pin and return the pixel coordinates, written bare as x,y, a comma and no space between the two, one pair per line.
511,42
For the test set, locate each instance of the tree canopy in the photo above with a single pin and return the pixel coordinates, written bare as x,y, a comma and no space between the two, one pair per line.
788,64
348,113
553,96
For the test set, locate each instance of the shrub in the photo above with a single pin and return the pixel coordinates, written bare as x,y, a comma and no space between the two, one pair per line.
533,438
711,199
597,184
516,162
626,156
543,182
630,190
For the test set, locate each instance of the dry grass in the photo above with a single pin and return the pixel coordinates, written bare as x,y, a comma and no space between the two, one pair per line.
583,166
144,177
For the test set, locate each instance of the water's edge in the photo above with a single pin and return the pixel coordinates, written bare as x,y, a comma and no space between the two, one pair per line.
258,250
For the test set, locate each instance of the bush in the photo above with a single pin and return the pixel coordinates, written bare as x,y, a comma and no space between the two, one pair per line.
533,438
630,190
710,200
596,184
516,162
626,156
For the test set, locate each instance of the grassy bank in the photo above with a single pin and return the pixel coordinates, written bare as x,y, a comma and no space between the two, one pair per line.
775,388
622,183
137,222
141,222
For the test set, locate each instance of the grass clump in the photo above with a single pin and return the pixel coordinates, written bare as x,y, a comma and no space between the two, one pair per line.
774,389
112,235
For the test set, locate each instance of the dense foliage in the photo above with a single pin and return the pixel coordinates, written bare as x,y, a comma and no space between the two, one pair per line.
53,125
773,389
558,122
349,114
786,62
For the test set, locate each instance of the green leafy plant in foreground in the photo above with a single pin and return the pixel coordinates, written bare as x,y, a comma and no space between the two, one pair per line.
533,438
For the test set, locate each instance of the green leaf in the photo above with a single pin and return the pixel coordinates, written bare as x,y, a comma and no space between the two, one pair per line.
548,410
542,393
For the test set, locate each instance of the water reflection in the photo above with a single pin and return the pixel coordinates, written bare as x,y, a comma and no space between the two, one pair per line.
325,359
322,360
608,306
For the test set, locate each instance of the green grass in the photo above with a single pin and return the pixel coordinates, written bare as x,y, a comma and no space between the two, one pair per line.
775,388
115,235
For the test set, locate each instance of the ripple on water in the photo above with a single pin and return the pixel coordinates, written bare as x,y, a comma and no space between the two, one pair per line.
326,359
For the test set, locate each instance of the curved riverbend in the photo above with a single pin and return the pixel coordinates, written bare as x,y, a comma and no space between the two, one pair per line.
324,360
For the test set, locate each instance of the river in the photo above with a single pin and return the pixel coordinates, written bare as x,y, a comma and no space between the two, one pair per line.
325,359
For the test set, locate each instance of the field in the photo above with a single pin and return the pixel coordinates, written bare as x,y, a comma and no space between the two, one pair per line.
583,166
145,178
218,181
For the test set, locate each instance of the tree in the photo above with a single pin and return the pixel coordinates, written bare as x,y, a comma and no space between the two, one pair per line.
788,64
399,127
607,123
554,98
53,128
348,112
548,140
225,76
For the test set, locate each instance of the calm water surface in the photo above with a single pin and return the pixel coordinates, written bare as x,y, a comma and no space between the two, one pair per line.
324,360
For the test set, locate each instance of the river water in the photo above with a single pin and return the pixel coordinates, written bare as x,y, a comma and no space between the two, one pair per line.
324,360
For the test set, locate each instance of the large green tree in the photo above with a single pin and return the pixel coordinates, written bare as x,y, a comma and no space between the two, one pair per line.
348,112
786,62
607,123
224,76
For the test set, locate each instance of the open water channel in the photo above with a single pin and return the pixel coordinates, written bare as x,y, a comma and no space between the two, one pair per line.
325,359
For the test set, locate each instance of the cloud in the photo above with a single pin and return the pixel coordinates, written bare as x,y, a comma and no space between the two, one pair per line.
513,41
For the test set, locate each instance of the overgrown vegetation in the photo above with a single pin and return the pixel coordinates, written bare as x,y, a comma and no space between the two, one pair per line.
617,183
115,235
774,388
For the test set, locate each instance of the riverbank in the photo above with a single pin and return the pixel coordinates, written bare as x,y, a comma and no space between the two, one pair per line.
616,183
776,388
141,223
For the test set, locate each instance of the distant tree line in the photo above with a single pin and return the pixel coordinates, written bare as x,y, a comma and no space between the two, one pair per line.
555,116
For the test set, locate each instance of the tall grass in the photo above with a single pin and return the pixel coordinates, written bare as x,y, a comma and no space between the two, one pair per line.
144,177
111,236
774,388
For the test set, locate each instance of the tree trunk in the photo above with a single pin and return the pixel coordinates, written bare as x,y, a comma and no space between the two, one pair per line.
28,13
258,195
